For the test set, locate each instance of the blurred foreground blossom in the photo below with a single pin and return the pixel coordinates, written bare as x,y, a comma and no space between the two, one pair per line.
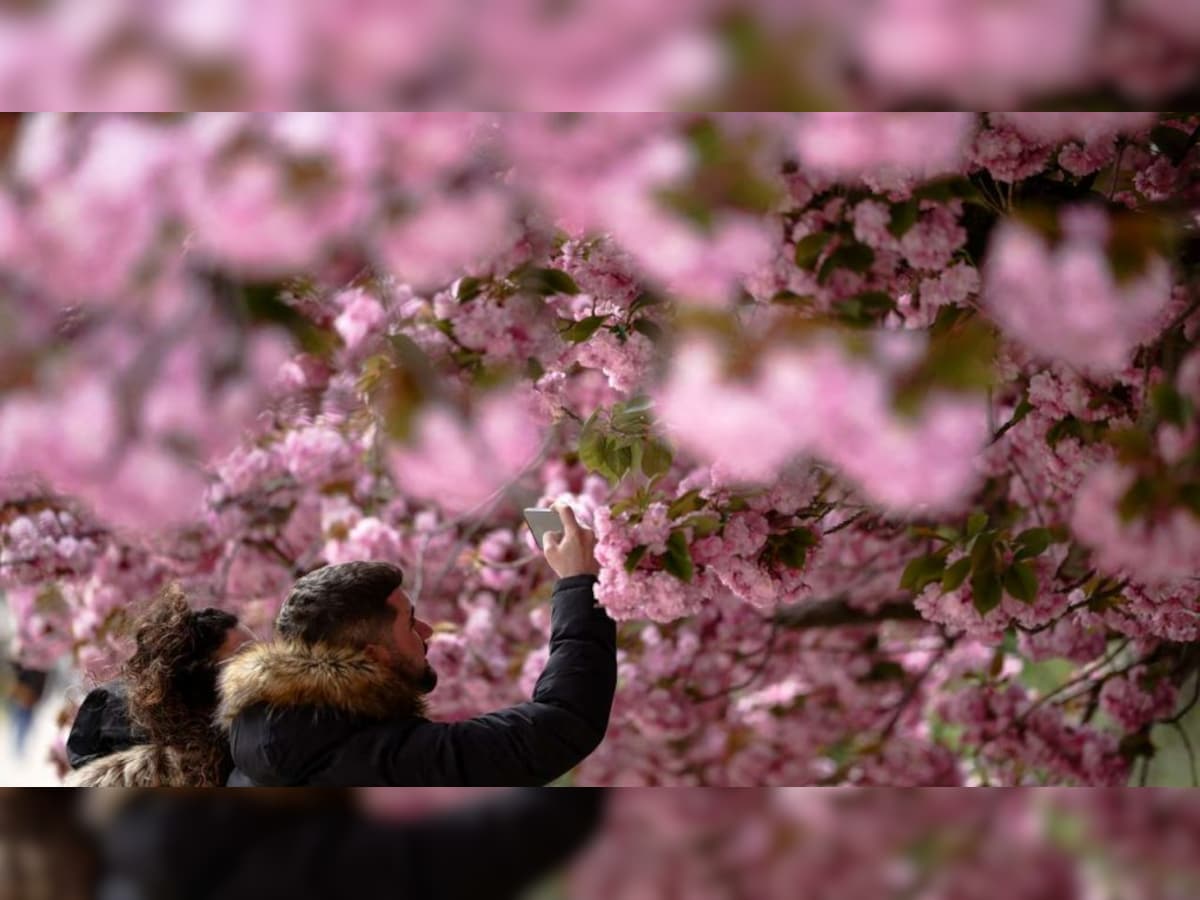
593,55
690,844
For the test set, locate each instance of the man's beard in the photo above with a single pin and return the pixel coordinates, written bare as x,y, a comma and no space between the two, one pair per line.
422,682
427,680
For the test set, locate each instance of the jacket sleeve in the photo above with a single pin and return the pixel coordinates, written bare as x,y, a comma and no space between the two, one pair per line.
532,743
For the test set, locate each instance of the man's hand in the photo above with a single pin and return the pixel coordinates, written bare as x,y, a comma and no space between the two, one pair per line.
573,550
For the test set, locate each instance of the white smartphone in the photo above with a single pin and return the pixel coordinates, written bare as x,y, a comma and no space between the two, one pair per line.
541,521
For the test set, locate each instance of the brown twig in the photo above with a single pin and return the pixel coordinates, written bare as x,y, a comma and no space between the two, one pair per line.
754,675
914,686
836,612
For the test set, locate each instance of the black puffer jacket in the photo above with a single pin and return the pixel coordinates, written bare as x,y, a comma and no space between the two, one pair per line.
219,845
318,715
102,726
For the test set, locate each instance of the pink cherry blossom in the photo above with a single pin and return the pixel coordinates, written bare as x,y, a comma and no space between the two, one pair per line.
854,144
1065,302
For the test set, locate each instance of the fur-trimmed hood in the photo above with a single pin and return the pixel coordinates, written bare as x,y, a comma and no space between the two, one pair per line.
291,708
293,674
145,765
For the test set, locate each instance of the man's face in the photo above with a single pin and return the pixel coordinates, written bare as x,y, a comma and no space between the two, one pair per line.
410,643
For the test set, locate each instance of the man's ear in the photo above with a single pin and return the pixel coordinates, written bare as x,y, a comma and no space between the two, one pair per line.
377,653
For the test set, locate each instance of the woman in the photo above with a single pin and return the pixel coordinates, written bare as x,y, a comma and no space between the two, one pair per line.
171,686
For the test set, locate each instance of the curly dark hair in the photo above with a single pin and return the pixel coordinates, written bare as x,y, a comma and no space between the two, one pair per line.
172,680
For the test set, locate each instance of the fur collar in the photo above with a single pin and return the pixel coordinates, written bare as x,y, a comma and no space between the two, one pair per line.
291,673
144,765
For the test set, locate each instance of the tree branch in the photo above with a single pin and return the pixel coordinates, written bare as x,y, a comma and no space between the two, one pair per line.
1191,752
836,612
757,671
914,686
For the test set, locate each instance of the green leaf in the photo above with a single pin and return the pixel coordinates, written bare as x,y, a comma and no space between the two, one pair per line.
593,446
986,587
643,300
1189,497
976,522
865,308
790,298
808,248
1132,444
468,289
688,503
634,557
632,417
1048,674
403,385
922,571
886,670
920,531
997,665
1102,601
678,560
650,329
1023,409
954,187
534,368
1063,428
1136,744
956,574
656,458
628,505
618,459
947,533
1171,141
580,331
983,556
1021,582
636,447
1033,542
1075,566
1169,404
704,526
1137,499
853,256
1133,240
904,216
263,303
547,281
947,318
959,360
792,548
639,403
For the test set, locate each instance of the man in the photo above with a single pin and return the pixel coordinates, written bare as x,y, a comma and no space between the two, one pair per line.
338,698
